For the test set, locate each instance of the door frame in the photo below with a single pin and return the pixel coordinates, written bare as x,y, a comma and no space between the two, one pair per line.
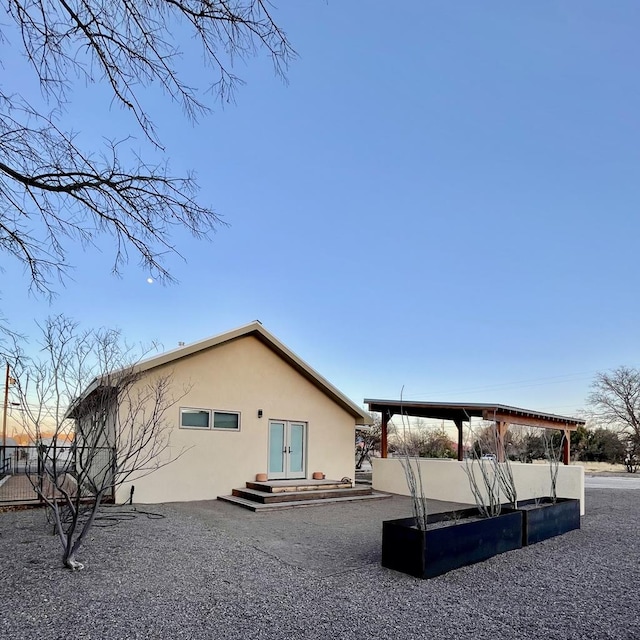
286,473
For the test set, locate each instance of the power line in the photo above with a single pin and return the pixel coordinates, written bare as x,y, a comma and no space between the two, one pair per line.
516,384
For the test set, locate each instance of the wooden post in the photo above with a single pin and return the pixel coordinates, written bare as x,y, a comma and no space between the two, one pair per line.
460,443
501,432
383,435
566,447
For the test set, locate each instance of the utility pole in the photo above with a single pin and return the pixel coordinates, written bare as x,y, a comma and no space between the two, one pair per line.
4,417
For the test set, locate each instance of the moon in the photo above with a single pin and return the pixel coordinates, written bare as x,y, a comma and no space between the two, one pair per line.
150,280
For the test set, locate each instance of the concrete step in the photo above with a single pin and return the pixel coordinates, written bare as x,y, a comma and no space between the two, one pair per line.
278,506
268,497
281,486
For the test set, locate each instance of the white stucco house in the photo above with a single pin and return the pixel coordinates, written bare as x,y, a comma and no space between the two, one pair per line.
251,406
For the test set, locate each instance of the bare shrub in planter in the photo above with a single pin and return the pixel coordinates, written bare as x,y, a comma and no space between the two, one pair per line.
553,454
425,545
413,475
450,541
490,461
548,516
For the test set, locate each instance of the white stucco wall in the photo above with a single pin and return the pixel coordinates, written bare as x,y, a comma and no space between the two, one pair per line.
447,480
242,375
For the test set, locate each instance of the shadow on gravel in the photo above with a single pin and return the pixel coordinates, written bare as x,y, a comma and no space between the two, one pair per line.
327,539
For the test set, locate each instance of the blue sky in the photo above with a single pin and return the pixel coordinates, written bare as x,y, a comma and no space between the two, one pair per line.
443,197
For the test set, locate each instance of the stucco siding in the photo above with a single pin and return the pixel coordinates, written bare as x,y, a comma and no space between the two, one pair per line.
242,375
447,480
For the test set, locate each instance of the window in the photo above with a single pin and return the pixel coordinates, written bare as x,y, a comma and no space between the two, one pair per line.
195,418
207,419
226,420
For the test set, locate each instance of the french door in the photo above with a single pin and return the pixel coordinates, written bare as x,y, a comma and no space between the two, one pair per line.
287,450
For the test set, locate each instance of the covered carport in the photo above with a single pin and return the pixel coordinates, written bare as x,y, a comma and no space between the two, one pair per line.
457,412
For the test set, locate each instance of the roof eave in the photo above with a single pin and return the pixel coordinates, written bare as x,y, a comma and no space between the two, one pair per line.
258,331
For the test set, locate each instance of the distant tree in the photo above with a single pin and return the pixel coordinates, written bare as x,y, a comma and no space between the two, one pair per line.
368,441
533,447
614,402
522,444
602,445
579,441
52,190
436,443
484,441
420,439
631,461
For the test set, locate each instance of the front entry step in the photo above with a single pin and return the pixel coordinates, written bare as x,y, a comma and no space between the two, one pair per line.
267,497
288,494
278,506
284,486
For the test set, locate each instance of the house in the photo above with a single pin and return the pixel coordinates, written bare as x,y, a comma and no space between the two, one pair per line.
8,448
247,405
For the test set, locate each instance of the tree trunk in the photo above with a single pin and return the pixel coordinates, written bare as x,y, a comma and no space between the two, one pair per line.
71,563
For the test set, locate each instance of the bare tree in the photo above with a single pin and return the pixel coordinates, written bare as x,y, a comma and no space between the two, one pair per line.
436,443
52,190
95,421
424,440
615,403
368,441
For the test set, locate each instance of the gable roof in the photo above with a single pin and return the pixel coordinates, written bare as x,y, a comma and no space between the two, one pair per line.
256,330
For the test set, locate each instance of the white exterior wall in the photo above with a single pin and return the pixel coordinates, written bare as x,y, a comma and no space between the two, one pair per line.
447,480
242,375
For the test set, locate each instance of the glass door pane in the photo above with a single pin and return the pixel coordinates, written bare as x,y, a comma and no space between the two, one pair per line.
276,449
296,449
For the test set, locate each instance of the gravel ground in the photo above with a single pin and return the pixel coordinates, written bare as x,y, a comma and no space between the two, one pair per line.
212,570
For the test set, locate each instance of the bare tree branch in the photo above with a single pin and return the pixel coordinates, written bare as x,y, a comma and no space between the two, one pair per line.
52,192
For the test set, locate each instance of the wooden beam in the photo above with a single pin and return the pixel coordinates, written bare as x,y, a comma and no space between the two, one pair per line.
501,432
542,423
383,435
566,447
460,441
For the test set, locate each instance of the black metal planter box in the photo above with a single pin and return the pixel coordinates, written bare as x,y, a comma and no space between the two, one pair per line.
426,554
543,519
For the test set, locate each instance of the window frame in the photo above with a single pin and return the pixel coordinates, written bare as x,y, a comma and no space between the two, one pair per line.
211,419
198,409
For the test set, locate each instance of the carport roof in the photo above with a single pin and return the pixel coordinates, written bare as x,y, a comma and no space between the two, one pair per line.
460,412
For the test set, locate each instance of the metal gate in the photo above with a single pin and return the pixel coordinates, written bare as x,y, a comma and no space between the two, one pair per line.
26,472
